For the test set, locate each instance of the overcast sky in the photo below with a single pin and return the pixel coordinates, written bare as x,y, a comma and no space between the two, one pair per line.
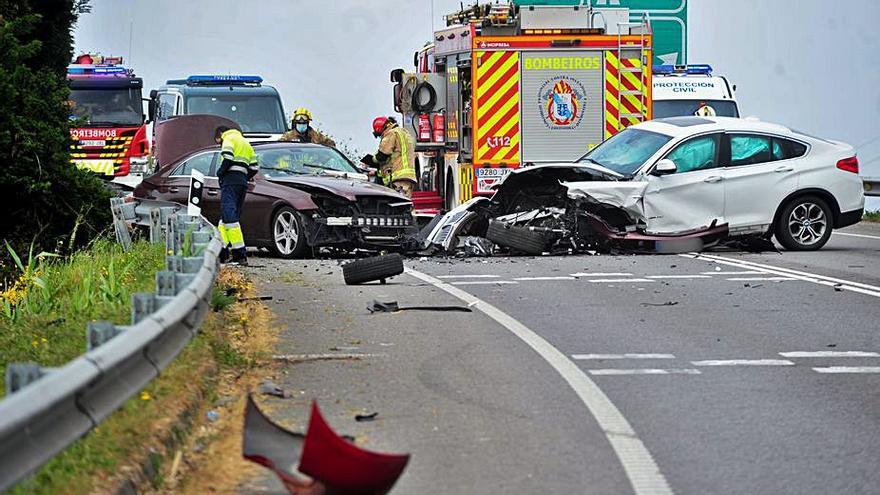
811,67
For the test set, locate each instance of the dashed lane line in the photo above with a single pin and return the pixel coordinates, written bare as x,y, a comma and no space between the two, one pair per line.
866,289
468,276
743,362
486,282
848,369
759,279
581,274
658,277
723,273
642,471
828,354
584,357
864,236
523,279
644,371
618,280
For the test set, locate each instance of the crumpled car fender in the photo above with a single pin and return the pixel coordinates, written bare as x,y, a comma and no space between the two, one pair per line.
626,195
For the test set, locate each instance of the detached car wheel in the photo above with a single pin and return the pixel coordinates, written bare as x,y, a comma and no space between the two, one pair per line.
370,269
518,238
804,224
288,236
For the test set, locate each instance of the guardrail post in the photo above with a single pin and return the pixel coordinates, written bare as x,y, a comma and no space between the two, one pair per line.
171,241
119,225
99,332
155,226
143,304
19,375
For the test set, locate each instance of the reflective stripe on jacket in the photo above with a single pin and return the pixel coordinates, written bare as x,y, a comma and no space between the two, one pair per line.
400,145
236,149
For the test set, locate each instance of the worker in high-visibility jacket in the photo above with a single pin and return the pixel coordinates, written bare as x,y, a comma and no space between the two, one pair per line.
238,165
396,157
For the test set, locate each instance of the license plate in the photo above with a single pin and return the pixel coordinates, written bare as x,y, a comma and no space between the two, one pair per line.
487,178
92,143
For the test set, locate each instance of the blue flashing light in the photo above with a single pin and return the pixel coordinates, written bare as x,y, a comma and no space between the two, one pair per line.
665,69
224,79
97,70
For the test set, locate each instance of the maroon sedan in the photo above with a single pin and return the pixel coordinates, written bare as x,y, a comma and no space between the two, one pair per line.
306,196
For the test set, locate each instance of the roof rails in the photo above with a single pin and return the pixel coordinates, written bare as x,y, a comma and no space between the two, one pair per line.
691,69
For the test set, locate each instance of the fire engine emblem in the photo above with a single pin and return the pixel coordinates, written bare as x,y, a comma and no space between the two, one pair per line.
562,100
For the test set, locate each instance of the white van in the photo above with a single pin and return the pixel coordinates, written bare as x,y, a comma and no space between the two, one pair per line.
685,90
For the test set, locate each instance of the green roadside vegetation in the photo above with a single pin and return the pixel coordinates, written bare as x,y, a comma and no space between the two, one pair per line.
54,299
872,216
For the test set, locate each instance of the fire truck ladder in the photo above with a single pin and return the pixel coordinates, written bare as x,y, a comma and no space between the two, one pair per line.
637,71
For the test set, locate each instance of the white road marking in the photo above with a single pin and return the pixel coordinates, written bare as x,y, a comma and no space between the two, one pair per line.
601,274
759,279
747,272
523,279
823,354
857,235
848,369
638,464
868,290
622,356
744,362
618,280
676,276
469,276
486,282
644,371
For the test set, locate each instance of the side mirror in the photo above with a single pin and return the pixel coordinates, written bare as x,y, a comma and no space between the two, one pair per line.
151,109
396,75
664,167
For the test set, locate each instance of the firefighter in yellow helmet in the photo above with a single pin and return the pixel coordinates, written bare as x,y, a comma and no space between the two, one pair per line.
303,132
396,157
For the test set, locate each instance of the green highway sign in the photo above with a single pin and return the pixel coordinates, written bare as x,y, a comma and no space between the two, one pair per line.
668,18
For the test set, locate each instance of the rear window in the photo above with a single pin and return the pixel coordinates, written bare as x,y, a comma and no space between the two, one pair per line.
783,149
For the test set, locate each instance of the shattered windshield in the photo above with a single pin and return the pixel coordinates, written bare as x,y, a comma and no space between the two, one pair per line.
626,151
289,160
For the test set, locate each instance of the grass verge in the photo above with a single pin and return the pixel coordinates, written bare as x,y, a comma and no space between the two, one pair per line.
140,443
872,216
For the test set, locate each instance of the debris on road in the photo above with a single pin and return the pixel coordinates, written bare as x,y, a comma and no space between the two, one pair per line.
372,269
268,387
394,307
365,417
321,461
303,358
667,303
212,415
255,298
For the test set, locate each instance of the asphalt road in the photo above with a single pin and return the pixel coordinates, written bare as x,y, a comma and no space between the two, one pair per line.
721,373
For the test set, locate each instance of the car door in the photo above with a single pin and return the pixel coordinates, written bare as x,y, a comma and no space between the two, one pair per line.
756,180
176,186
693,196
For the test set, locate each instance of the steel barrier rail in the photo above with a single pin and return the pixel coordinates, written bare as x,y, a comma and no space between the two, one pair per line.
872,186
47,409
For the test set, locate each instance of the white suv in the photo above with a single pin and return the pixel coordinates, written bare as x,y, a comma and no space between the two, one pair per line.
682,173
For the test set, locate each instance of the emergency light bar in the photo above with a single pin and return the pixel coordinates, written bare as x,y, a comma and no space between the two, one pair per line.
97,69
220,79
683,69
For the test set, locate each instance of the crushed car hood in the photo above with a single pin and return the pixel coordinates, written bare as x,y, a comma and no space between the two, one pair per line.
349,188
626,195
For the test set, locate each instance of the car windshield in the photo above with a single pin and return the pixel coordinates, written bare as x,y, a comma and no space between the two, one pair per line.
254,113
279,162
627,150
107,106
687,108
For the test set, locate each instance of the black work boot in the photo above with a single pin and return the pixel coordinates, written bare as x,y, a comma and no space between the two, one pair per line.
224,255
239,257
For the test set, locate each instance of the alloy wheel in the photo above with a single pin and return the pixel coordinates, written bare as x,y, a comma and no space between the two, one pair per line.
807,223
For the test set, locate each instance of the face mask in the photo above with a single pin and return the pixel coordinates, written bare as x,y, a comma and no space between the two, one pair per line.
301,127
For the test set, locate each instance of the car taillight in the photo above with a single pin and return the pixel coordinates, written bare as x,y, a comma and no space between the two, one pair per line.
850,164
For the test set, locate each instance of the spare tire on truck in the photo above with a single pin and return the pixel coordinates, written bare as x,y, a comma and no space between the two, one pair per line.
370,269
518,238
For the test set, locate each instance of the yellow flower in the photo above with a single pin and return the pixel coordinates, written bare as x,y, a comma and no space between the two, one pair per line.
145,395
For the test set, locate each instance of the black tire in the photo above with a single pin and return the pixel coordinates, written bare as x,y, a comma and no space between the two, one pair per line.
370,269
518,238
293,246
812,208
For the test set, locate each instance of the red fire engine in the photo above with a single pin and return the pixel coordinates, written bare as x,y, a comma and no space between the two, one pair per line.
110,134
512,84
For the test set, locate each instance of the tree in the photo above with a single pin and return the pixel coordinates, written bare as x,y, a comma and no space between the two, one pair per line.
47,200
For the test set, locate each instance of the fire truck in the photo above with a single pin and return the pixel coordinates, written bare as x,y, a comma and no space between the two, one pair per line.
510,85
110,136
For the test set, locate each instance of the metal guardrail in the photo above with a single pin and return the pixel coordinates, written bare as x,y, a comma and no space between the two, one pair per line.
47,409
872,186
